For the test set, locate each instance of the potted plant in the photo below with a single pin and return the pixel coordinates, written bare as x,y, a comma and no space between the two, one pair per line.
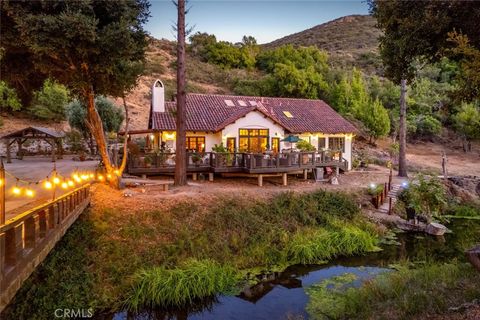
305,146
148,161
196,158
222,156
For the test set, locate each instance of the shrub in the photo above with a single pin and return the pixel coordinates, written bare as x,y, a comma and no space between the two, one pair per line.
49,103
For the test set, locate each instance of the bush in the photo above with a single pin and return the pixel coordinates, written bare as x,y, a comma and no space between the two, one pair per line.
49,103
423,126
426,196
75,140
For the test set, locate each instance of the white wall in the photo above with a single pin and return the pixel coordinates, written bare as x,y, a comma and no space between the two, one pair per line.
210,138
348,143
253,120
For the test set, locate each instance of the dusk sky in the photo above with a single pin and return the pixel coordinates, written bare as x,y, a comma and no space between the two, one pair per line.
266,20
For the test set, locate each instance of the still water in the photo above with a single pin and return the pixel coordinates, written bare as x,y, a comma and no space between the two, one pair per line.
283,296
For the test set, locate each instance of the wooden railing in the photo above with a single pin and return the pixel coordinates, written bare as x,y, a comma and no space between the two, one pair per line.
238,160
26,239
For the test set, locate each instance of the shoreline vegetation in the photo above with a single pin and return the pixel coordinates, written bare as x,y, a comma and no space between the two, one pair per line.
195,249
112,260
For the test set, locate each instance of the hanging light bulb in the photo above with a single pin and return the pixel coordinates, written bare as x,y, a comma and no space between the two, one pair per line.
117,172
64,185
92,176
29,193
1,182
70,183
48,185
84,177
16,191
109,176
75,176
100,177
56,180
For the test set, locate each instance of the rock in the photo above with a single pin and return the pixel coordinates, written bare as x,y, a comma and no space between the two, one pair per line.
436,229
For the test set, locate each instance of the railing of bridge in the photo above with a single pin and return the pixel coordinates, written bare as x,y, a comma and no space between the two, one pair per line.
27,238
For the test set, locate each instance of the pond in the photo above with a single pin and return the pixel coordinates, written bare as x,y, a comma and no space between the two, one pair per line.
283,295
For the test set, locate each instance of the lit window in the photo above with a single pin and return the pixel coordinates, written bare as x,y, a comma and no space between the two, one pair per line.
287,114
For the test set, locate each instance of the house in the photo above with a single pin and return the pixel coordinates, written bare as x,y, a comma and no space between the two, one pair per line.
246,124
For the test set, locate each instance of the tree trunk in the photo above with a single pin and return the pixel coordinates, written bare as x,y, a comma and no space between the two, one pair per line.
125,142
180,152
402,157
95,125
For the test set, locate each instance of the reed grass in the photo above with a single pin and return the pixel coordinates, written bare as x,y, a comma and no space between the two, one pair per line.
193,280
317,245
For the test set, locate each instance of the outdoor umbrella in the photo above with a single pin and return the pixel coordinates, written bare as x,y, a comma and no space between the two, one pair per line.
292,140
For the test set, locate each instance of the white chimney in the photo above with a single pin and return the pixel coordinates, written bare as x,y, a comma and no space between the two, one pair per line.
158,96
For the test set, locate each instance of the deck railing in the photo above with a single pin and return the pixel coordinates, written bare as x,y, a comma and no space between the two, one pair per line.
237,160
26,239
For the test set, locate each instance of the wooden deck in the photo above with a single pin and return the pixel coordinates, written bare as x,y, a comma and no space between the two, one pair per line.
250,163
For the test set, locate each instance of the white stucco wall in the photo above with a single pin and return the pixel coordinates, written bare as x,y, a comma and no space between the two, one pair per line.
313,138
253,120
210,138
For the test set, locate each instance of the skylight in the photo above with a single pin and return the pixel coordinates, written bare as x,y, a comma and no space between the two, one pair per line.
229,103
242,103
287,114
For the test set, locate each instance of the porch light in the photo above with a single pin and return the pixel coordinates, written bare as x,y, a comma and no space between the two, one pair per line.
152,137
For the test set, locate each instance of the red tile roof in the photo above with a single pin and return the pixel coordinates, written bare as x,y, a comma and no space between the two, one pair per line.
210,112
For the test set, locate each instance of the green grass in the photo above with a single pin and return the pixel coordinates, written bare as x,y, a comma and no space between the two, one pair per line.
140,257
191,281
318,245
403,294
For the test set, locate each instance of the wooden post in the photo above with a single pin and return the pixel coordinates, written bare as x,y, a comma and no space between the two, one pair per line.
9,154
305,174
194,176
53,152
284,179
210,176
390,206
2,193
260,180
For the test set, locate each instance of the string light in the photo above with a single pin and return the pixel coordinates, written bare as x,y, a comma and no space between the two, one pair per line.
100,177
92,176
64,185
84,177
56,180
70,183
109,176
1,182
117,172
48,185
16,191
29,193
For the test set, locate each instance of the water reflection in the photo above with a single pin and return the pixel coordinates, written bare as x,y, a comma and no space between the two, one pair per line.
282,296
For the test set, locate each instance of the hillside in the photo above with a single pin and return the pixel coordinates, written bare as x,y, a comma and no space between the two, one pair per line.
350,40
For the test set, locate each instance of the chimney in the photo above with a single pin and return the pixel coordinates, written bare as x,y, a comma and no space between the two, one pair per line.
158,96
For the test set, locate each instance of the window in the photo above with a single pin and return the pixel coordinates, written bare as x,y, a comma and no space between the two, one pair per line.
287,114
229,103
196,144
275,144
322,143
336,144
231,144
253,140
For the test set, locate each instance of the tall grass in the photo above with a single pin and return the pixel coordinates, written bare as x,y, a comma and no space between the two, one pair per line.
317,245
430,289
192,281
